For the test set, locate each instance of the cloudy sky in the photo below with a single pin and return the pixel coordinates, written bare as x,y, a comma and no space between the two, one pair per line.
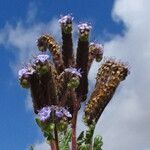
121,25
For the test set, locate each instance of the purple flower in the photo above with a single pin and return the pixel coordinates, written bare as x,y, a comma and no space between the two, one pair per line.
42,58
25,71
59,113
74,71
44,113
84,27
66,113
66,19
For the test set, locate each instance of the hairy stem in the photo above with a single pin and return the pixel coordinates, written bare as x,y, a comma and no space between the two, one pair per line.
56,137
76,104
67,49
53,145
74,122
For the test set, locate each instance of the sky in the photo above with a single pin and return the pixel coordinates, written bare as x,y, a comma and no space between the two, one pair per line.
121,25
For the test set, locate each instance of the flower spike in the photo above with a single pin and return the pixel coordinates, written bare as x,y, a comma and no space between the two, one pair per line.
67,45
109,77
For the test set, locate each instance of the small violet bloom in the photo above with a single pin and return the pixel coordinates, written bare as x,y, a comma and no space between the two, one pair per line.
41,58
84,27
66,113
66,20
44,113
74,71
25,71
59,113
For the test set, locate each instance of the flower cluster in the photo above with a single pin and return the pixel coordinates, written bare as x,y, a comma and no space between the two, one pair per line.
25,72
84,27
24,76
58,86
64,20
39,66
29,70
41,63
45,113
66,23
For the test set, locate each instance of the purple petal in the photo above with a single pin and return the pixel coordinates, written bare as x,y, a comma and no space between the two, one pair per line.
65,19
59,113
73,71
42,58
26,71
44,113
84,26
67,113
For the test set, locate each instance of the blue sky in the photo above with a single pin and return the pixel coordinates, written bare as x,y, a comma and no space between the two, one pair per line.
121,25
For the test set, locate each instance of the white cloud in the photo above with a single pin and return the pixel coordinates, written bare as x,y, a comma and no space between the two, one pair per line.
125,124
21,39
41,146
28,102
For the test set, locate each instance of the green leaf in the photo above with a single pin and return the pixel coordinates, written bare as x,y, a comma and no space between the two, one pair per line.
83,147
50,137
38,121
97,143
64,140
81,136
80,139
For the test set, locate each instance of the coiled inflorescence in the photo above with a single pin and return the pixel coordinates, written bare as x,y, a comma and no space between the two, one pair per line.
48,42
108,78
95,52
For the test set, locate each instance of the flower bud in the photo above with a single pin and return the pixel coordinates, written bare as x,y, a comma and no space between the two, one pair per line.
43,69
62,126
66,23
84,30
25,83
52,126
73,83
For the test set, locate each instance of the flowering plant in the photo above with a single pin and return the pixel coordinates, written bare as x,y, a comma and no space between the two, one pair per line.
59,86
